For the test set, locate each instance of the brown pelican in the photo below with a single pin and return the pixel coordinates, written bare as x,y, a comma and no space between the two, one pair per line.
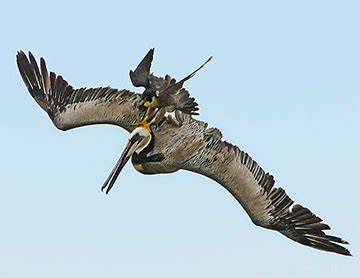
175,142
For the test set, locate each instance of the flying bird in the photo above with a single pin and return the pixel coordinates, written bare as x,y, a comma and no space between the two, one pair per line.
165,143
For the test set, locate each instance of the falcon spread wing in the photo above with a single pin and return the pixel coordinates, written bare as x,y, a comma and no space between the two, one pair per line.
166,91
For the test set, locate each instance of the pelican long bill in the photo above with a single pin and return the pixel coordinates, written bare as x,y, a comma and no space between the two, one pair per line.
130,148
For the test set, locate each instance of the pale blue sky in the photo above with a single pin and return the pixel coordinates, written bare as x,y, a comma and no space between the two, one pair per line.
283,85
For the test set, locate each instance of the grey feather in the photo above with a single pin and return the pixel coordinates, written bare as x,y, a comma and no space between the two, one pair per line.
140,76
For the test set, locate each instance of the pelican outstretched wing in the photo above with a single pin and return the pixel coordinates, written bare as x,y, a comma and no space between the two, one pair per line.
268,206
68,107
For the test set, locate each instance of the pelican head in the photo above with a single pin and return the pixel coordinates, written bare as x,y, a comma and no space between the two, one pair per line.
139,139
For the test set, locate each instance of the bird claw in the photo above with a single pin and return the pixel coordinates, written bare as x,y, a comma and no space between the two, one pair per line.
142,123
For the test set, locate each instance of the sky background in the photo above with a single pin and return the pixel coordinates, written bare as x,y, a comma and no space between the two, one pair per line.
283,85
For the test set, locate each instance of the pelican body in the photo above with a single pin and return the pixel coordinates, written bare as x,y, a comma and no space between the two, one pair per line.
161,143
